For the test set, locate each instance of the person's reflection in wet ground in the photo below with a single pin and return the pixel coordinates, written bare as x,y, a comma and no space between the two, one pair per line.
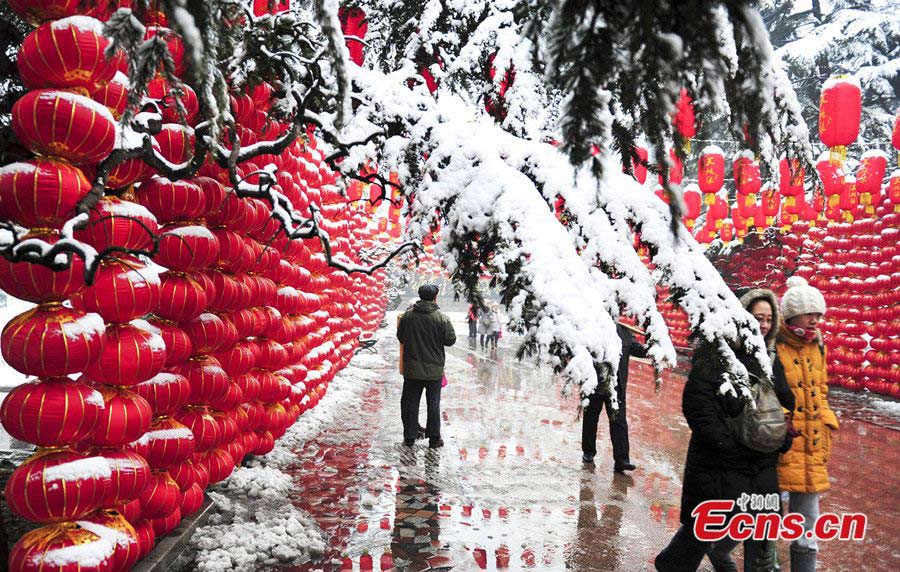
417,529
598,545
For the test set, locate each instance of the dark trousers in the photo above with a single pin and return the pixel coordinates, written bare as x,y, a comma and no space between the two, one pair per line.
618,425
685,553
473,326
409,407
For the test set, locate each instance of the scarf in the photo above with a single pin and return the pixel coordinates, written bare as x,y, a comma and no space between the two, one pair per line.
807,335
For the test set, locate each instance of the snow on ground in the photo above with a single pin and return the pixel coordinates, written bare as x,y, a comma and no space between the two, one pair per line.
254,525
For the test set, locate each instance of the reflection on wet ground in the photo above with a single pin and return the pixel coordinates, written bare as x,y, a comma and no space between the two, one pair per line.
508,491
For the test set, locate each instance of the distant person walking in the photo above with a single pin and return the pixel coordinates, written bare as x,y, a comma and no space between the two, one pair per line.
618,422
496,324
472,319
424,331
485,326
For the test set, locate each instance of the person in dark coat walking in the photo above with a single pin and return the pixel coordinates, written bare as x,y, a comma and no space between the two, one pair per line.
472,320
618,422
718,466
424,331
762,304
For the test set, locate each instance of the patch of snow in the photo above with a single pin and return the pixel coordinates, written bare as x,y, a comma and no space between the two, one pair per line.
79,470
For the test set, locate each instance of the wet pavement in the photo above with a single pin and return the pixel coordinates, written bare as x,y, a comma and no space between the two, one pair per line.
509,491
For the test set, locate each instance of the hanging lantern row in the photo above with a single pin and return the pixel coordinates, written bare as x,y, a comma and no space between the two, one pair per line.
188,362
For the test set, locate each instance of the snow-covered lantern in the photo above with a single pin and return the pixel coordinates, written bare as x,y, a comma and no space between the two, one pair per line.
869,177
65,125
55,486
41,193
67,53
131,353
692,204
711,171
68,341
173,42
683,119
38,283
64,546
840,109
354,26
123,289
849,199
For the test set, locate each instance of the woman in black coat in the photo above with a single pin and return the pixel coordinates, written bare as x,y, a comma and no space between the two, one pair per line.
718,467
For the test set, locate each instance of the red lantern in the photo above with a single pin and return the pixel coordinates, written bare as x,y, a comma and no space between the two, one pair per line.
178,344
265,444
161,495
36,282
181,297
214,193
219,463
60,548
676,169
187,248
894,190
711,169
869,177
36,13
123,289
207,379
40,193
176,143
207,433
184,474
263,7
131,510
791,178
113,95
167,443
66,53
840,109
52,341
159,89
683,119
64,125
895,135
146,536
165,392
130,473
172,200
191,500
236,360
51,413
174,44
131,354
113,526
53,486
166,524
747,178
126,417
115,222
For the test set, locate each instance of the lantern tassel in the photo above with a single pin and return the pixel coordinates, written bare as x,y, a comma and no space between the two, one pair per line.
686,145
838,154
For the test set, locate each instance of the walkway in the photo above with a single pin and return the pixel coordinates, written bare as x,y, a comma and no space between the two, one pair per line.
509,491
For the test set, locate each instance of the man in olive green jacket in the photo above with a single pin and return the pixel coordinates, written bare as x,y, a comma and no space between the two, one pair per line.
424,331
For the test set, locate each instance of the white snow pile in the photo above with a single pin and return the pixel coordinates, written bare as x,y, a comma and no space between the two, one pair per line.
255,524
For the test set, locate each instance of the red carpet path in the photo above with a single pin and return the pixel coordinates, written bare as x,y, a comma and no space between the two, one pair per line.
508,491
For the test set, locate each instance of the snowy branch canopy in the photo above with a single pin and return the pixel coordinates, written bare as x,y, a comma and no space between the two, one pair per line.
462,102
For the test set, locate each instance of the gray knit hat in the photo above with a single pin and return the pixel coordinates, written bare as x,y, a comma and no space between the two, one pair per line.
801,298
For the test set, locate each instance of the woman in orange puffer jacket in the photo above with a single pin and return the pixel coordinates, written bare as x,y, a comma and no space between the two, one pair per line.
802,470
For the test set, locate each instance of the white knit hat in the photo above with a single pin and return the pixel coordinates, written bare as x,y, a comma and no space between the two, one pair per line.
801,298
